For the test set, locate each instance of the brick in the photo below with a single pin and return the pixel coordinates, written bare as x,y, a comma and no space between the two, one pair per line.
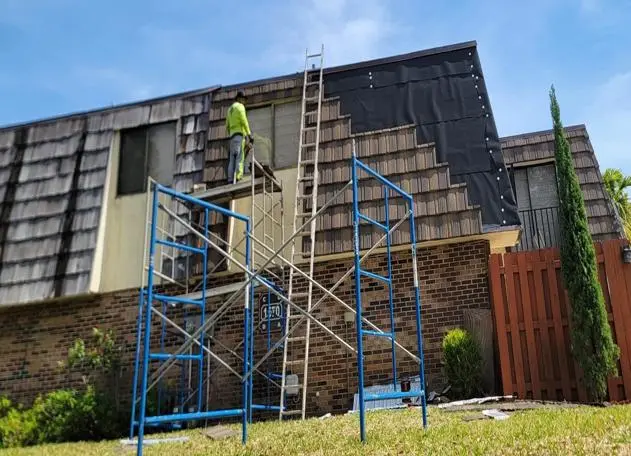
453,278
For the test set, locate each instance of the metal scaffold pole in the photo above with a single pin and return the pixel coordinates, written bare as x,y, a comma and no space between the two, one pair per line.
361,331
165,238
177,254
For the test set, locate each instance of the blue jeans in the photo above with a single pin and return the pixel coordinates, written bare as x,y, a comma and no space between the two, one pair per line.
236,159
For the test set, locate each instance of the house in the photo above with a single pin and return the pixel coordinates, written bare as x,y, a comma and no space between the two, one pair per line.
74,198
530,162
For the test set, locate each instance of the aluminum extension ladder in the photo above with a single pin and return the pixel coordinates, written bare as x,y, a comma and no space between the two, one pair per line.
293,397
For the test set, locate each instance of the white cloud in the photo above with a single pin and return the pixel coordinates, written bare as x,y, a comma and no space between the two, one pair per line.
351,30
124,85
608,121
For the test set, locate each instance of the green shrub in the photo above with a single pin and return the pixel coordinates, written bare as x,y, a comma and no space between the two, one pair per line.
66,416
463,363
61,416
5,406
17,428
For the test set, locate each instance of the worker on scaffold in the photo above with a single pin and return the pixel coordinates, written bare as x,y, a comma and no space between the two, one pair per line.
241,140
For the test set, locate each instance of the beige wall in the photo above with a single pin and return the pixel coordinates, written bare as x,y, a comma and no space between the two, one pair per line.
244,206
118,259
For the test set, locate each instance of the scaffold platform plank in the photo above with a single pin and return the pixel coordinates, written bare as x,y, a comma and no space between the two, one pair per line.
241,189
215,291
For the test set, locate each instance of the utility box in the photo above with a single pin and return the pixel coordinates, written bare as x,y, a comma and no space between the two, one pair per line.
292,385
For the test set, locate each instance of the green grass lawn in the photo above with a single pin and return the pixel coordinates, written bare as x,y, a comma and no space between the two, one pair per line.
580,431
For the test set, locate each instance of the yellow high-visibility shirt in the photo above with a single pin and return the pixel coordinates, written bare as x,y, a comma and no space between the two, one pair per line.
237,120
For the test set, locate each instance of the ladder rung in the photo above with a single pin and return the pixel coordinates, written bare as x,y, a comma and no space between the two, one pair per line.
295,361
299,386
374,276
312,83
304,196
310,113
398,395
369,332
296,339
177,245
309,161
291,412
374,222
177,299
300,295
312,99
306,178
309,129
295,316
165,356
311,56
309,145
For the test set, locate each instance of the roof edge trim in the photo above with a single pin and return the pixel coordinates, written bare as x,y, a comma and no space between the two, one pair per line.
175,96
402,57
577,127
362,64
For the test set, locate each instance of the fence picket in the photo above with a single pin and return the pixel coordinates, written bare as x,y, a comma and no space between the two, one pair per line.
545,264
533,361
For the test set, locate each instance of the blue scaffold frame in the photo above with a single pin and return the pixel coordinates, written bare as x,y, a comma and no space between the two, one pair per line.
396,393
144,323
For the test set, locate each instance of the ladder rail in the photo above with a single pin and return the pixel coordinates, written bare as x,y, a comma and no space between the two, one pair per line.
293,244
301,183
314,200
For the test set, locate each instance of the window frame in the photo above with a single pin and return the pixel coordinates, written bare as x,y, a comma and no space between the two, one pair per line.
145,171
272,106
525,166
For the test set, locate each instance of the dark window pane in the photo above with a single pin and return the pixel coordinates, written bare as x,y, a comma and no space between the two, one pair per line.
162,152
132,176
287,133
521,188
543,186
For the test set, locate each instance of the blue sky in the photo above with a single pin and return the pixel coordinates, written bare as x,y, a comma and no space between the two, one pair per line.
60,56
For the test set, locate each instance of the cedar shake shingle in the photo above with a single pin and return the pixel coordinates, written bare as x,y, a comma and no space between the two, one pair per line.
528,147
442,208
56,171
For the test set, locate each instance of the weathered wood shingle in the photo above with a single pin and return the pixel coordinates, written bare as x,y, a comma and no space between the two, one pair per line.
442,208
52,177
533,147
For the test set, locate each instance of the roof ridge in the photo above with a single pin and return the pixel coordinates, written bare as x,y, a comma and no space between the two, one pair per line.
577,127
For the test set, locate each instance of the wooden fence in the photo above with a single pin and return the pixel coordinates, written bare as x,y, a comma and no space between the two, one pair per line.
531,313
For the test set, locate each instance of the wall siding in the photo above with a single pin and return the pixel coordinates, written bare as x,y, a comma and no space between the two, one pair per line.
531,147
453,278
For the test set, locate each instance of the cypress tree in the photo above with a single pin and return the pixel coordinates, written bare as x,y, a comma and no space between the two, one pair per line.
592,343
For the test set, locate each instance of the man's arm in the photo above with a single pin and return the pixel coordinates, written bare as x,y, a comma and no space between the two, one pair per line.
244,121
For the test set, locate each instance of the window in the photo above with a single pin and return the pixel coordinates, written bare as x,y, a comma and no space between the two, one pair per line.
538,205
276,129
146,151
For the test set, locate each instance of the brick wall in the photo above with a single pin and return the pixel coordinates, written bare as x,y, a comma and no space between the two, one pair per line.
453,278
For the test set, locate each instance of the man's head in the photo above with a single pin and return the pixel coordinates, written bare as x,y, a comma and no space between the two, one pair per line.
240,97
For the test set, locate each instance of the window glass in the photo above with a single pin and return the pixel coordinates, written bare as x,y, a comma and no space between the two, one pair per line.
260,120
161,146
146,151
286,135
132,164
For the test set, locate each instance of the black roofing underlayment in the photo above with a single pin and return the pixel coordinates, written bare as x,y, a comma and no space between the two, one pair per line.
445,96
